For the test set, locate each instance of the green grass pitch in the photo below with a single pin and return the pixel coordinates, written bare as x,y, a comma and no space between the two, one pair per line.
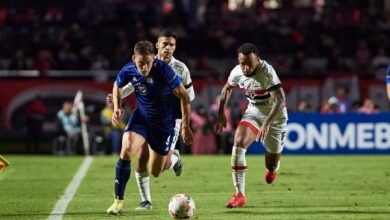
307,187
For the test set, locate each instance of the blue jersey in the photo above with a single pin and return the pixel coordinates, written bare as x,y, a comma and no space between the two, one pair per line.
388,75
155,101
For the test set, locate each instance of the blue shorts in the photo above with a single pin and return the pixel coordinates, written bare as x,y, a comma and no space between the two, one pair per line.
159,136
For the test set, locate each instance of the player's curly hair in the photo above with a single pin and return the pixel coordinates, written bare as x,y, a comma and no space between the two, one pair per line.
144,48
248,48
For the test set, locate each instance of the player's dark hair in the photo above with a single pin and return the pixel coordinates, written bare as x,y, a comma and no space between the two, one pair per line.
144,48
248,48
167,33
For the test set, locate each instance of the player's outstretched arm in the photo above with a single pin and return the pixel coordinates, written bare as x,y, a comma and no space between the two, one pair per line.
225,96
182,94
279,102
116,98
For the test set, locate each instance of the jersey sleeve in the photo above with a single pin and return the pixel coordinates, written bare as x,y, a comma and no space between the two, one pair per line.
272,81
169,77
234,77
187,82
123,77
388,75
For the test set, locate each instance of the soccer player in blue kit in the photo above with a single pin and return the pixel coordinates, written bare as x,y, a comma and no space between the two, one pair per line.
158,91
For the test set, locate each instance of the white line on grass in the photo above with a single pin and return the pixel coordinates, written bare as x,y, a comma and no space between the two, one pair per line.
60,207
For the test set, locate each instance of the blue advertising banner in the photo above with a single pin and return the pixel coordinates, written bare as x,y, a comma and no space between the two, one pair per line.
314,133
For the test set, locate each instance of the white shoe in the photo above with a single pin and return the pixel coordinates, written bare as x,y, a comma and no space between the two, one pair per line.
144,205
178,167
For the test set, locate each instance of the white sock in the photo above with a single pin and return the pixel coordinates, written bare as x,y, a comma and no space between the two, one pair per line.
174,160
143,185
239,168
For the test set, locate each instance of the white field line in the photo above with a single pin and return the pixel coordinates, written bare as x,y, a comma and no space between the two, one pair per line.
60,208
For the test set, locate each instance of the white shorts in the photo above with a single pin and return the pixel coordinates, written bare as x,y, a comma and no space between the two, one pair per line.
176,133
254,117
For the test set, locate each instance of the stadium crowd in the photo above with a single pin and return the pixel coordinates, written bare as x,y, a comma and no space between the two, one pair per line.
299,42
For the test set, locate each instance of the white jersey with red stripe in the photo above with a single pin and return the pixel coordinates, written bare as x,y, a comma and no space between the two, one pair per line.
257,89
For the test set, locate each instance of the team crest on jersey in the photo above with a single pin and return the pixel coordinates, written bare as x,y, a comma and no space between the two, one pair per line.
149,80
142,89
134,78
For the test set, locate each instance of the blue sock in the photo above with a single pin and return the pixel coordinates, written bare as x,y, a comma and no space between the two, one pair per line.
123,169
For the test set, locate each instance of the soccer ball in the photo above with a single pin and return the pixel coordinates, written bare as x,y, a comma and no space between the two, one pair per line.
181,206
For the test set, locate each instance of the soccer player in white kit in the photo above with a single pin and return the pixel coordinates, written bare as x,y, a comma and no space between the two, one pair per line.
264,120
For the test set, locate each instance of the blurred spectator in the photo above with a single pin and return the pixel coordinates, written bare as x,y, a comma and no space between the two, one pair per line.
18,62
343,102
70,125
35,116
384,23
330,106
336,62
112,133
202,64
225,139
297,63
363,56
43,62
99,62
303,106
67,59
368,107
282,67
204,138
216,27
379,63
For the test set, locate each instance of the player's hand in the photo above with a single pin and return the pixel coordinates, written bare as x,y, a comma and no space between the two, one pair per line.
221,123
263,132
116,116
186,133
109,99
